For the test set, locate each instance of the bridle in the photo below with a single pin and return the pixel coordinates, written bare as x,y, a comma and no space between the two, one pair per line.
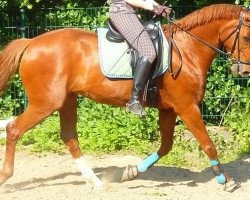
227,54
236,40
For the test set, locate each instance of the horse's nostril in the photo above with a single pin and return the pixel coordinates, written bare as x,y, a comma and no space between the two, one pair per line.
235,68
245,74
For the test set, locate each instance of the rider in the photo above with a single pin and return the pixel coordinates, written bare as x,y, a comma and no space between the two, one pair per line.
124,17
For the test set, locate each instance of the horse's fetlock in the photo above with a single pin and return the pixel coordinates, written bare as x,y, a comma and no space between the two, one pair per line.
10,173
7,173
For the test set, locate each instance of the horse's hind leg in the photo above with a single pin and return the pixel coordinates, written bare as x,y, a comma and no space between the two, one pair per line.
193,119
31,117
68,121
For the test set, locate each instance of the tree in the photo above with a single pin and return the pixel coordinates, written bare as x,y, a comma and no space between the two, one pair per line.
244,2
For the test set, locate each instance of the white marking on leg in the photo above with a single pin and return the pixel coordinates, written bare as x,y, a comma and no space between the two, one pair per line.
87,172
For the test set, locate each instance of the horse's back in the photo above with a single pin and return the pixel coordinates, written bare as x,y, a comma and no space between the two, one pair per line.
61,38
66,33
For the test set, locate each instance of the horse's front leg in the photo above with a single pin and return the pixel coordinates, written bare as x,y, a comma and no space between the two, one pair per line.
167,120
193,120
68,121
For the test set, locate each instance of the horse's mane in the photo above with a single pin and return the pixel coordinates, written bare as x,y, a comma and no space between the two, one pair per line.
207,14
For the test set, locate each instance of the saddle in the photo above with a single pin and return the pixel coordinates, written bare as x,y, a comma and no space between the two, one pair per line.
113,35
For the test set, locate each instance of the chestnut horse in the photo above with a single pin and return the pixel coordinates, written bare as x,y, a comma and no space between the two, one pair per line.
57,66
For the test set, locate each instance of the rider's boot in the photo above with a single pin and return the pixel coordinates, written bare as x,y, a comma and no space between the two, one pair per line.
141,75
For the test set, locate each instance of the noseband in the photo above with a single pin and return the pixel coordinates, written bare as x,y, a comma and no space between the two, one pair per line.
227,54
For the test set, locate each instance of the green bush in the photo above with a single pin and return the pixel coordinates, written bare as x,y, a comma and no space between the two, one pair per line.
238,119
12,102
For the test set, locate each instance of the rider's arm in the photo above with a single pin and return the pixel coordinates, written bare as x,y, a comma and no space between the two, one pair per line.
155,3
147,5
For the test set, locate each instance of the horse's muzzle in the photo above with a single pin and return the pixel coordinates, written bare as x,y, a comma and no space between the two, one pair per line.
241,69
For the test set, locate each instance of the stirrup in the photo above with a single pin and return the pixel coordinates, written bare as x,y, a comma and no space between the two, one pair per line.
136,108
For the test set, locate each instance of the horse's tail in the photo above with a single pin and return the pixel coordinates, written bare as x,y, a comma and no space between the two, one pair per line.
9,60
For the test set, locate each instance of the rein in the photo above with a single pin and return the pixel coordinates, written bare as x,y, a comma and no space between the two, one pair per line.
227,54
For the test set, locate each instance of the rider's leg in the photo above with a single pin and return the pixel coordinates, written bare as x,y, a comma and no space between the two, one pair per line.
131,28
141,74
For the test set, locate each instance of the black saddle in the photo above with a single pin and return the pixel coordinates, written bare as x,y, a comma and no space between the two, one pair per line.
113,35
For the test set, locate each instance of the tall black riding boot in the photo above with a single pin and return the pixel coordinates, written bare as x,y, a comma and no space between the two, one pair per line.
141,75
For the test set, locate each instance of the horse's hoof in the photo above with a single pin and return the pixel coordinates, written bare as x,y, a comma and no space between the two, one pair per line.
99,183
99,187
130,173
231,186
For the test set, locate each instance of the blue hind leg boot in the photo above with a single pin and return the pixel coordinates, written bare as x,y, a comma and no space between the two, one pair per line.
218,172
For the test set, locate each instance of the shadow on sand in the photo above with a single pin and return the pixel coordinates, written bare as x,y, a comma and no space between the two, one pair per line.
238,169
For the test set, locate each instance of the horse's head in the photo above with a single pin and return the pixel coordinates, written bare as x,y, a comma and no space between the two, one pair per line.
236,39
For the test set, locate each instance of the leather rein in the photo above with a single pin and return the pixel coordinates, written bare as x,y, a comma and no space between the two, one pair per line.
227,54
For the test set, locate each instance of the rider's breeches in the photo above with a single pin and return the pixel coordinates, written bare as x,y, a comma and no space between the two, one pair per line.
131,28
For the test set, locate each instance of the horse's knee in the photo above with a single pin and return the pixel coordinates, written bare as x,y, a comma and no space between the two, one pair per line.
13,133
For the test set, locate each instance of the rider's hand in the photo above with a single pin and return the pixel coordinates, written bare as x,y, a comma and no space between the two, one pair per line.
162,10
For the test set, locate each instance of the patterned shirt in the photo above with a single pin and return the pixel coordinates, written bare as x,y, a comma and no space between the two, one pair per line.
120,5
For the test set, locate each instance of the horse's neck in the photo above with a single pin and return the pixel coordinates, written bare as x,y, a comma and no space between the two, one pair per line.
194,50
